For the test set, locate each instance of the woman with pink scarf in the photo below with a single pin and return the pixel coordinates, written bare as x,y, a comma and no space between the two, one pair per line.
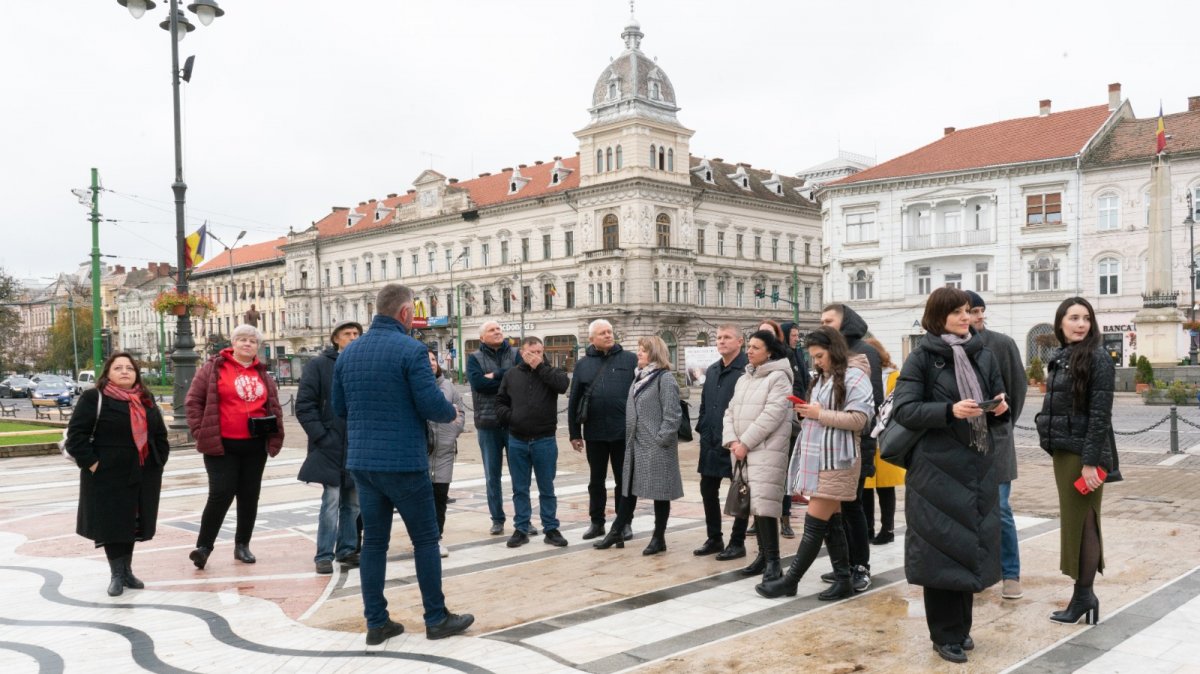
119,441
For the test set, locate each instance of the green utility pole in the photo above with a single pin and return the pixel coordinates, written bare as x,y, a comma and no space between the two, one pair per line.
795,296
97,352
162,363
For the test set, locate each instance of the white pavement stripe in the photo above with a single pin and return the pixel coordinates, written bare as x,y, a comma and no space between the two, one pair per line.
1172,460
34,486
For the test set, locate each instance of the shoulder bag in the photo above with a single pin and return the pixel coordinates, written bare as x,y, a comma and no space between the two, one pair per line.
897,441
62,444
737,503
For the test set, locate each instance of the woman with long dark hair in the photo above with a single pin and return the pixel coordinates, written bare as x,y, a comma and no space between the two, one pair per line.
119,441
1075,428
826,468
951,504
755,429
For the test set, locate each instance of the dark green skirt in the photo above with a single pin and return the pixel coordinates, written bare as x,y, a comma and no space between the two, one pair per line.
1073,508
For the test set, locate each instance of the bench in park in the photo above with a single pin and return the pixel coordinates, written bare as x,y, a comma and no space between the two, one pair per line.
43,408
8,410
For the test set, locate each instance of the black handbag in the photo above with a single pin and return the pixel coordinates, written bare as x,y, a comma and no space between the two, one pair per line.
263,426
896,443
737,503
685,422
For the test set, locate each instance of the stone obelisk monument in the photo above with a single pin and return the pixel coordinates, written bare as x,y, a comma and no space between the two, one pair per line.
1158,323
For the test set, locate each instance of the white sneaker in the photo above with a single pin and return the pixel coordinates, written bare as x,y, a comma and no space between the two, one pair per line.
445,552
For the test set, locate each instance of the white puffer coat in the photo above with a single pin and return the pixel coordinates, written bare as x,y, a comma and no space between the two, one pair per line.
760,417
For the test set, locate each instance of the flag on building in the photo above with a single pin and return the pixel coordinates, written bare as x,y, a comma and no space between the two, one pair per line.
553,291
1161,134
194,246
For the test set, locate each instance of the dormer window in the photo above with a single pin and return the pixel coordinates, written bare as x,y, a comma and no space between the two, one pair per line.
559,173
381,211
704,171
517,181
352,219
740,177
654,91
612,90
774,184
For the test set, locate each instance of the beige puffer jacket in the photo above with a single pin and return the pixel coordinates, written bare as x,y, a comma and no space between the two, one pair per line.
760,416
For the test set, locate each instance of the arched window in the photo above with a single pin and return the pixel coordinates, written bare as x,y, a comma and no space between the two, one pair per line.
1109,270
862,285
619,153
654,91
1040,342
608,159
599,161
612,90
671,159
663,228
662,159
611,232
672,347
652,155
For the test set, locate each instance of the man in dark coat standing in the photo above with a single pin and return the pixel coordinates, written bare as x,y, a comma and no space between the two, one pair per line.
1008,357
527,404
384,388
715,464
852,326
337,528
602,380
800,381
485,371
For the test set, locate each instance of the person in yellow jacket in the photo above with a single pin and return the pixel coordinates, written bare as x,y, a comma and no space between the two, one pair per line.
887,476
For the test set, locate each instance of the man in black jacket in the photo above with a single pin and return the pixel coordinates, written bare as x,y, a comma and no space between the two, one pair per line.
485,370
852,326
1008,357
715,464
527,404
601,382
326,461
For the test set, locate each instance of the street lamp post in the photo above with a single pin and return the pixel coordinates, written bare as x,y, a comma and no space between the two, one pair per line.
457,315
184,352
1191,225
519,277
232,289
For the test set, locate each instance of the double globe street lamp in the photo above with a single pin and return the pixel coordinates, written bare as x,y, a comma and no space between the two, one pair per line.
183,353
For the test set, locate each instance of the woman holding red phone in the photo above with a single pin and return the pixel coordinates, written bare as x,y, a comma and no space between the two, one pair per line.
1075,428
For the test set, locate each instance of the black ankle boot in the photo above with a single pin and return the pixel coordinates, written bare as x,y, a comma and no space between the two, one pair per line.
613,537
116,582
768,528
1084,605
760,560
839,557
658,543
130,580
810,547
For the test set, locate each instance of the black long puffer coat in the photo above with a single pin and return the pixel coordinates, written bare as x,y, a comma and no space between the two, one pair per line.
325,462
951,489
1087,432
119,502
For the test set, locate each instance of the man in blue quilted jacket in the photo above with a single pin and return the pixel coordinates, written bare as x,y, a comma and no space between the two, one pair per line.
384,388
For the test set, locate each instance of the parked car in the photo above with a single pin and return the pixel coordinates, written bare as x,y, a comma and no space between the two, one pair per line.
52,387
15,387
85,380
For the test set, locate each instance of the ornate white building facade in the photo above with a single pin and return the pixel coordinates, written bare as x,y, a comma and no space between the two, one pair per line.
632,228
257,282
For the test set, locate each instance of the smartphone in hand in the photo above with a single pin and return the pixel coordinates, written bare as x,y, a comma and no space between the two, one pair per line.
1081,485
796,400
988,405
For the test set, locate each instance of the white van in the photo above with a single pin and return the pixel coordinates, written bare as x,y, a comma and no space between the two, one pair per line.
86,380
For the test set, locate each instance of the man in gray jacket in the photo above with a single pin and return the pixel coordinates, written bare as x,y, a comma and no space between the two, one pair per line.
1008,357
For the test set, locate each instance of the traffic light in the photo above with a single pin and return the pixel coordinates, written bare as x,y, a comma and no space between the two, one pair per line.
759,291
775,297
106,342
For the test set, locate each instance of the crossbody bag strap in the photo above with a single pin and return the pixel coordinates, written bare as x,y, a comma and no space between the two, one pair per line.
99,402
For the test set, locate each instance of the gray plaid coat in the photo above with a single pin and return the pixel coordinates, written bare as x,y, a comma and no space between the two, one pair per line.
652,442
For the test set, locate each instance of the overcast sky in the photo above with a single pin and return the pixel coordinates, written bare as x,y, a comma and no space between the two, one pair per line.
298,106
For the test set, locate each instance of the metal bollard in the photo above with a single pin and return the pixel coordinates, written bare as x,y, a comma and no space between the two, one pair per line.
1174,431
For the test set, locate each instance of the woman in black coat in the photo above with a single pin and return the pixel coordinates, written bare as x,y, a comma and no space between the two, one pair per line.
952,546
120,453
1075,427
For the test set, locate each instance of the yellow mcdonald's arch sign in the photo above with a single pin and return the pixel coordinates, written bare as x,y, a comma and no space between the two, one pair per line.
419,310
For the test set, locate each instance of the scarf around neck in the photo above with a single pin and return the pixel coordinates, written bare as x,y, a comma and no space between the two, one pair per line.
137,416
643,376
968,387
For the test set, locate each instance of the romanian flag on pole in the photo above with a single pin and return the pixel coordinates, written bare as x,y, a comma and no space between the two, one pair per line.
1161,134
194,251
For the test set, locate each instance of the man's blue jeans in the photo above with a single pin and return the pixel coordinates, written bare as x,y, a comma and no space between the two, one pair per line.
492,443
1010,552
540,456
338,523
411,495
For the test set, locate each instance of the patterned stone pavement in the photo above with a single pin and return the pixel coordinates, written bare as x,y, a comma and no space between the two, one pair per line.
545,609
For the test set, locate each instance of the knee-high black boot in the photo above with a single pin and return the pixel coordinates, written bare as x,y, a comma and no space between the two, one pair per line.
806,553
839,557
768,532
760,561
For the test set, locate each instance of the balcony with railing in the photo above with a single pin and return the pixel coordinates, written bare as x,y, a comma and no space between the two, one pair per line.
685,254
973,237
604,253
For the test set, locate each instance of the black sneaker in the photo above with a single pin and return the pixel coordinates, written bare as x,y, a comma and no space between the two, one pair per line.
517,539
731,551
378,635
860,578
553,537
951,652
830,577
453,624
350,561
497,528
324,567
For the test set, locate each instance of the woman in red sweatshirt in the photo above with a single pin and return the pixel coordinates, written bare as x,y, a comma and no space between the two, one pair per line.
234,414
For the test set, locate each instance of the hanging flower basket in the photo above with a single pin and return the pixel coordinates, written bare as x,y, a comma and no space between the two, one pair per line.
172,302
1191,326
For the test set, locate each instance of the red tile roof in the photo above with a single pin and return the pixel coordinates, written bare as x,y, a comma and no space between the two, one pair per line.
242,255
1012,141
1133,139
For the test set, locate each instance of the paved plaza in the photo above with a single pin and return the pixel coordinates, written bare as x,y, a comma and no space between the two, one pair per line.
544,609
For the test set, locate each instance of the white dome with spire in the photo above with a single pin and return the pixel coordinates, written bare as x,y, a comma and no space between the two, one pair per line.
633,84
